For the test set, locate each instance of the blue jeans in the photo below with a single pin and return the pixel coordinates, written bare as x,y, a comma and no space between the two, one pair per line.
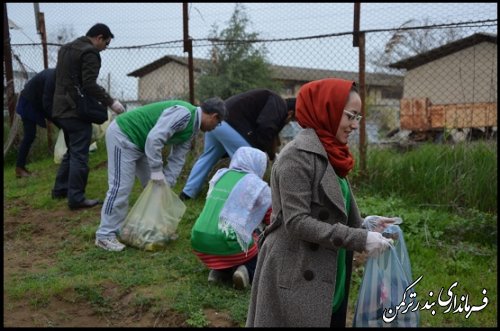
71,178
223,139
31,117
28,139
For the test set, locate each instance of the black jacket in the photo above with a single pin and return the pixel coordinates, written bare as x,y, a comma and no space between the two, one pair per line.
258,115
78,63
39,91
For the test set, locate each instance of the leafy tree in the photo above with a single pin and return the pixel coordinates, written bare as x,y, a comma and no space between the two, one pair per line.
237,63
63,35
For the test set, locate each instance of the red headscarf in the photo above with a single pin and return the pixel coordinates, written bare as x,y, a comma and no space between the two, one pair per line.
320,105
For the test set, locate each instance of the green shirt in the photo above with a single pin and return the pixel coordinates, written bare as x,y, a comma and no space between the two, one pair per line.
339,293
205,235
137,124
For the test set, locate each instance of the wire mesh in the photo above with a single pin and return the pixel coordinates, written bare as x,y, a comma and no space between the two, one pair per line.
431,69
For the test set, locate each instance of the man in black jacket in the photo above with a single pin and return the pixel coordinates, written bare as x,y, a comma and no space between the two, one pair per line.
78,64
34,106
254,118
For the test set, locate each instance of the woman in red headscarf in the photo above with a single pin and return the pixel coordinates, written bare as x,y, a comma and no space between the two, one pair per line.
304,266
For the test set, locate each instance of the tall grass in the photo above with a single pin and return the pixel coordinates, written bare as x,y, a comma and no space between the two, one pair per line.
459,176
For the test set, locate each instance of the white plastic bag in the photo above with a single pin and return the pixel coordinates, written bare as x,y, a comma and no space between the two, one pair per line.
98,131
59,148
152,221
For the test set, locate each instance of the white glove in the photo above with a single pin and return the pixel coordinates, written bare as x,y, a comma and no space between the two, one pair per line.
158,178
376,244
117,107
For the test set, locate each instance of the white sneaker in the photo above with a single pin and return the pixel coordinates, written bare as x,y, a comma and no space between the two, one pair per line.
109,244
241,280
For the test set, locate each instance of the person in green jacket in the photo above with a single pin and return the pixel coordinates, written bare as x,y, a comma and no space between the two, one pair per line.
135,141
238,200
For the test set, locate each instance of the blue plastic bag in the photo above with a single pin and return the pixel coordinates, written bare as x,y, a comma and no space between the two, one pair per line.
385,298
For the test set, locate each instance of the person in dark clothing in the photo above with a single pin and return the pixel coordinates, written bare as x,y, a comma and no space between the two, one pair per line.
78,63
254,119
34,106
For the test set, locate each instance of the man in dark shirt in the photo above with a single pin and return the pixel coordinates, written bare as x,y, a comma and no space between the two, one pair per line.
78,64
34,106
254,118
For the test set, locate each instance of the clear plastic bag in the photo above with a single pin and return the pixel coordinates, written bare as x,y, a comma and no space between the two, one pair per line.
385,286
377,223
152,222
394,232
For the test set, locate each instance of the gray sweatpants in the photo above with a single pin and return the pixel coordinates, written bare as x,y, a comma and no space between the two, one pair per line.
125,161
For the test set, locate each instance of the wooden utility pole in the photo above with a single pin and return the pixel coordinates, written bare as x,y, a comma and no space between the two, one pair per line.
40,25
359,41
188,47
9,73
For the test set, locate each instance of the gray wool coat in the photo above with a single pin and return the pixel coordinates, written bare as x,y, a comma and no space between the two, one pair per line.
295,276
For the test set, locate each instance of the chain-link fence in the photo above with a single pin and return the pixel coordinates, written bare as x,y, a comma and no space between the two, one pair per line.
430,70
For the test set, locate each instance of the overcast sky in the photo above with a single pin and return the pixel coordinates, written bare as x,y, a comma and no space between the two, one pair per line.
136,24
143,23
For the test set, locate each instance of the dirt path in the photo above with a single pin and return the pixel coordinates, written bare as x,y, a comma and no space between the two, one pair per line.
31,241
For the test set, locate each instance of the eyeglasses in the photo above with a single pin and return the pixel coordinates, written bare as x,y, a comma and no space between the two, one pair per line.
353,117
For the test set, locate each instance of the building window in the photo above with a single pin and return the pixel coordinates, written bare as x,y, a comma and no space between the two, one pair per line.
392,93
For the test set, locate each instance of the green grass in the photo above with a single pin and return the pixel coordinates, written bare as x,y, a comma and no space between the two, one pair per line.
457,176
447,242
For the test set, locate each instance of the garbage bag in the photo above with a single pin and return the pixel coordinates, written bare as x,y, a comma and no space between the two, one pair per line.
59,148
386,297
152,222
396,234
